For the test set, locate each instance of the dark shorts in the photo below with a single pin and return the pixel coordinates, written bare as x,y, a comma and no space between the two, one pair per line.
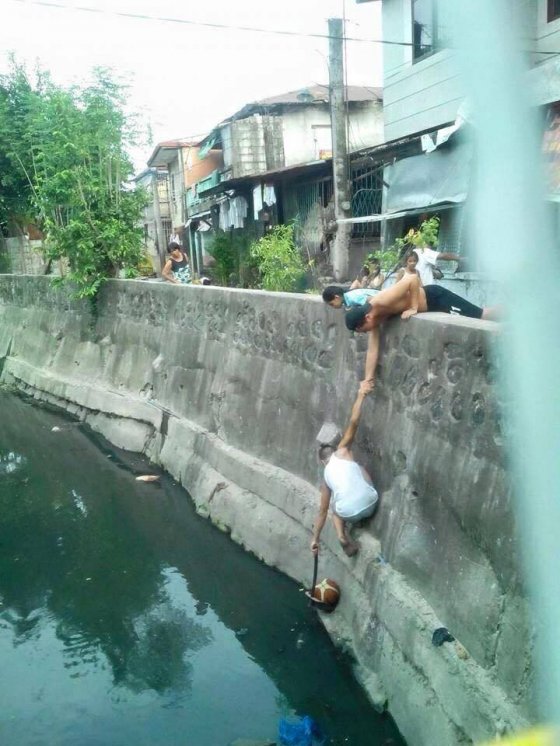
441,299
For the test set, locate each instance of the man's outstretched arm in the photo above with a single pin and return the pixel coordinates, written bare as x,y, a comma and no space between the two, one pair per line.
321,517
372,356
449,256
350,432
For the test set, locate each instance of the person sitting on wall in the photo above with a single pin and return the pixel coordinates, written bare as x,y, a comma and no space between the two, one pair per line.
407,298
177,268
409,268
370,276
347,487
338,297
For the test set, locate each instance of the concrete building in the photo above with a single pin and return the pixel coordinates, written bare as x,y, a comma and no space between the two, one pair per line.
156,218
424,98
277,168
292,129
179,169
180,159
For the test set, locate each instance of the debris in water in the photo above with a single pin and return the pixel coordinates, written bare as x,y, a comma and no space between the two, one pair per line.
299,731
55,429
461,652
147,478
441,635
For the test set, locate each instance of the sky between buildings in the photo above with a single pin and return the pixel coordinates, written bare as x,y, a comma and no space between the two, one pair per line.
185,78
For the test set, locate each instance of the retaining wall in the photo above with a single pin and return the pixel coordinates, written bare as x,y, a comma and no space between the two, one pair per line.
228,389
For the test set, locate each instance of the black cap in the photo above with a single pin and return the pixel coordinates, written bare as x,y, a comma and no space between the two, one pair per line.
355,317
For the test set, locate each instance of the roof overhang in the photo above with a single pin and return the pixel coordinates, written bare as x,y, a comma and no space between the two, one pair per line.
313,169
162,157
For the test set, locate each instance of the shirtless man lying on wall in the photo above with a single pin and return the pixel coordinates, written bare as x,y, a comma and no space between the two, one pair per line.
407,297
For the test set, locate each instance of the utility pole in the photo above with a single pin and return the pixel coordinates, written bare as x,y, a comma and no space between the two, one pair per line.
160,238
342,203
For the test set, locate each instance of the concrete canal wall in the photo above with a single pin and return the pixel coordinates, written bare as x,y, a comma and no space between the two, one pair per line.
227,390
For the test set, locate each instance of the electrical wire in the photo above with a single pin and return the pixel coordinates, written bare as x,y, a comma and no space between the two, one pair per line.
233,27
205,24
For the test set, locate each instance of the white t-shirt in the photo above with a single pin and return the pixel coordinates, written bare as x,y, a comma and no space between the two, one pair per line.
427,259
350,492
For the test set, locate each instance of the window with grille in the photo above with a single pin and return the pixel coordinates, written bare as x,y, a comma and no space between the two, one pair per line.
367,197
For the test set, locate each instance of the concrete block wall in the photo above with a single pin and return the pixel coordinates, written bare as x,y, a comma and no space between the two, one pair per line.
227,389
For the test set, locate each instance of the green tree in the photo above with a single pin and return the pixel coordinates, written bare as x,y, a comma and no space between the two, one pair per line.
279,262
16,102
233,263
65,151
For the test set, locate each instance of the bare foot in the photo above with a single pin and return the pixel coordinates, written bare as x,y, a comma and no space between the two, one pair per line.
408,313
349,548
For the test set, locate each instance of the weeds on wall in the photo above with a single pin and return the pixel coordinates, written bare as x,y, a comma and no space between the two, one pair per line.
5,264
279,262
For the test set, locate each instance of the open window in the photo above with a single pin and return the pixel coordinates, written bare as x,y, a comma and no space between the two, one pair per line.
430,27
553,10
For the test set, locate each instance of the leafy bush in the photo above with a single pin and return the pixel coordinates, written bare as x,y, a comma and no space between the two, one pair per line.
66,153
425,235
279,262
232,260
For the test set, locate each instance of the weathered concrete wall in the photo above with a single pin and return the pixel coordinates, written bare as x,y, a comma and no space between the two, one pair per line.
25,256
228,389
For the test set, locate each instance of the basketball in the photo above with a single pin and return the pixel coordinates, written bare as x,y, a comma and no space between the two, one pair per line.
327,592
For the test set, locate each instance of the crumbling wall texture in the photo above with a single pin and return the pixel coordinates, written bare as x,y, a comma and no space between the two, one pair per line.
227,390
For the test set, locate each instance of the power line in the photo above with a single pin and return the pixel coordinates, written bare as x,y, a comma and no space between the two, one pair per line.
233,27
205,24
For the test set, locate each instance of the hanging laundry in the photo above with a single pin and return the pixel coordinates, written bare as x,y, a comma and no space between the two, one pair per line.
225,218
269,195
238,211
257,201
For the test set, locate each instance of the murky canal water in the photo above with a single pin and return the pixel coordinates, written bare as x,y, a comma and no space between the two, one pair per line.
126,619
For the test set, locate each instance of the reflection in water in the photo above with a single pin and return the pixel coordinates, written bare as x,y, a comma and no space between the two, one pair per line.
73,563
10,462
121,619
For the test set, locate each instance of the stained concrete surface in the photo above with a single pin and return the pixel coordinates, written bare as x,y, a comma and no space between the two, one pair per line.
227,390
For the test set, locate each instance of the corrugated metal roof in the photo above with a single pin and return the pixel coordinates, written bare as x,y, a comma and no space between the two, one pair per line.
320,93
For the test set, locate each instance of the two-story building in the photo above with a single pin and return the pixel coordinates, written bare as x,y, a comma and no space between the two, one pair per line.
277,165
424,97
179,160
156,220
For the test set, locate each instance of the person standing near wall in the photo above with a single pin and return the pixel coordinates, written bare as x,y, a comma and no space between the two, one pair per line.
177,268
410,264
427,260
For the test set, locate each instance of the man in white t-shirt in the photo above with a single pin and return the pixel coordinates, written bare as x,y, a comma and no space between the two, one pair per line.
347,487
427,259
